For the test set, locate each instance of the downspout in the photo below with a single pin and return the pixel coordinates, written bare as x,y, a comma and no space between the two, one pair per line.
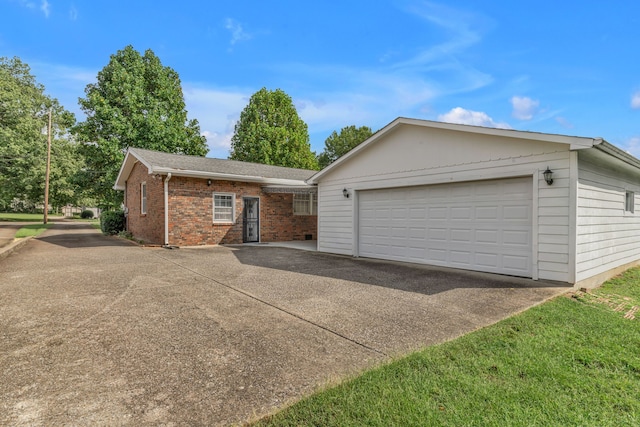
166,210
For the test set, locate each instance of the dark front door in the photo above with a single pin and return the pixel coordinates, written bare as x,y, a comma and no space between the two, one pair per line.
251,220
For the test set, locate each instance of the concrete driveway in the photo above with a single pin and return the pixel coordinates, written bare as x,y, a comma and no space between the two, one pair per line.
95,330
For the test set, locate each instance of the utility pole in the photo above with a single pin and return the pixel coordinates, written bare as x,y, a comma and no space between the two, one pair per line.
46,179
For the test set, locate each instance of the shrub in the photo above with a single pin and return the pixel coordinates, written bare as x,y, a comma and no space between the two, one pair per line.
86,214
112,222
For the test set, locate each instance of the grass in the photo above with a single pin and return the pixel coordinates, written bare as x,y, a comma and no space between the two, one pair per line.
573,361
27,217
31,230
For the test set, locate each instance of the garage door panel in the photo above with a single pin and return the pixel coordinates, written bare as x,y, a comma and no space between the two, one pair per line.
483,225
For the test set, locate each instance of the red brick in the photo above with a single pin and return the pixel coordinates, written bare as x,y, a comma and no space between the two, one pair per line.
191,212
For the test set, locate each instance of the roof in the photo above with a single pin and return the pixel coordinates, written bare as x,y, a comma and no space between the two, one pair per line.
575,142
208,168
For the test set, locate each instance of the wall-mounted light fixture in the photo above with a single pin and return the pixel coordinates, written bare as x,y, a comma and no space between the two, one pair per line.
345,193
548,176
208,183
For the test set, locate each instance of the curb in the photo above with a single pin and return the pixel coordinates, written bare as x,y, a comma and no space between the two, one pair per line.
13,246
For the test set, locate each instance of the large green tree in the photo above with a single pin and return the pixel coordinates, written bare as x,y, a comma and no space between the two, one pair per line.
339,144
271,132
136,102
24,111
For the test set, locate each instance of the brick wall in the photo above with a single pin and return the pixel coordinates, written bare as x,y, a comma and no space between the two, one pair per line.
191,212
150,227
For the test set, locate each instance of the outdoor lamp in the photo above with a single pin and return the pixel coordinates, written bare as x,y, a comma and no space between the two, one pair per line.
548,176
345,193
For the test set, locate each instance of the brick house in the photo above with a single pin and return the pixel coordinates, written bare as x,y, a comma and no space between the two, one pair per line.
181,200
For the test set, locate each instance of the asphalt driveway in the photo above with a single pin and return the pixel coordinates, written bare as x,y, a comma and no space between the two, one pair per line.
95,330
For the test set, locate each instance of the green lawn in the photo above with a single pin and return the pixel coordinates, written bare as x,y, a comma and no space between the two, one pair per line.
31,230
25,217
573,361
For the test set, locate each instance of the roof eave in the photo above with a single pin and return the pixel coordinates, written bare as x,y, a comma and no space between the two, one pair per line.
227,177
619,154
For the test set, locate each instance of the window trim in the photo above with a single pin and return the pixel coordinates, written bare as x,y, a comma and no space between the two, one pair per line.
233,208
313,202
143,198
629,202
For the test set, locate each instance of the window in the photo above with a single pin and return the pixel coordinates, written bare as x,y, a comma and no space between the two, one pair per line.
305,204
224,207
143,198
629,200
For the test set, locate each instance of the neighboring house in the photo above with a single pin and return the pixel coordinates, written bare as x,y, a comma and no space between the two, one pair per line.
476,198
180,200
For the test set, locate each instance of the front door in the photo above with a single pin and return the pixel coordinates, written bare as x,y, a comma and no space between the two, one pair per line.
251,220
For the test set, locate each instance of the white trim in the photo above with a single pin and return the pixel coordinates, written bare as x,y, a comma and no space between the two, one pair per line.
445,178
230,177
312,198
573,215
143,198
535,242
356,222
233,208
629,209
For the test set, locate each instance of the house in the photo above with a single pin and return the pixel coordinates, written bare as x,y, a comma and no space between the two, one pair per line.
477,198
181,200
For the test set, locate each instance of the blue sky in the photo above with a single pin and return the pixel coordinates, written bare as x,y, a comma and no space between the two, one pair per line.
569,67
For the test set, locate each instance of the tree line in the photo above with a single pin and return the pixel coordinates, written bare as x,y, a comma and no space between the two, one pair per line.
135,102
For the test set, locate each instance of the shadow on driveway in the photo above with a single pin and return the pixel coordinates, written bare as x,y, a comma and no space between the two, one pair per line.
423,279
73,235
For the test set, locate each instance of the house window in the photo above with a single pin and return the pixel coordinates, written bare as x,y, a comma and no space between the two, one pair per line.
629,199
224,207
143,198
305,204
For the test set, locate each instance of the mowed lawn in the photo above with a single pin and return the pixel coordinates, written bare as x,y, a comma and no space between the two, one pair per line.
573,361
25,217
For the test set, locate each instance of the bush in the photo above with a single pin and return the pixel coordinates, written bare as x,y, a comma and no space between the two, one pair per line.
86,214
112,222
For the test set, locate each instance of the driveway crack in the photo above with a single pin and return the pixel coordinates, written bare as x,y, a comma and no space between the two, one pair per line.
275,307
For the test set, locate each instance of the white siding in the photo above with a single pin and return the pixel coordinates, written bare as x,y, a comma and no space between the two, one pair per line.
412,156
607,236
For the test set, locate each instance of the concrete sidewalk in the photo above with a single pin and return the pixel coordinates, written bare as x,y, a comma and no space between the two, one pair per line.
8,242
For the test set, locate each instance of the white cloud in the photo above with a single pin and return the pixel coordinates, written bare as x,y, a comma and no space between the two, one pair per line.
632,146
564,122
635,101
237,32
217,111
462,116
524,108
73,13
45,7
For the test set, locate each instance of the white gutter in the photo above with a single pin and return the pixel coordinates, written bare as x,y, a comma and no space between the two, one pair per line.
227,176
166,209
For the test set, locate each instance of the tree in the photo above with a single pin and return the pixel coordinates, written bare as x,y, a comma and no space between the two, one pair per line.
24,110
136,102
271,132
337,145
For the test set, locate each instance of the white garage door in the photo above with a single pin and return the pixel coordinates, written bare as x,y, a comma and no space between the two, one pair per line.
479,225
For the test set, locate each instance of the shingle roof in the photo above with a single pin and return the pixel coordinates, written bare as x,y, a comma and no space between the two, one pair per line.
206,165
208,168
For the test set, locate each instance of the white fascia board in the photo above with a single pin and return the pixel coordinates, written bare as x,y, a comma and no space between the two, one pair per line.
130,160
227,177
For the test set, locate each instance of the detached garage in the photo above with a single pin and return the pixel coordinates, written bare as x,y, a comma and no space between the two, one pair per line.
479,199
